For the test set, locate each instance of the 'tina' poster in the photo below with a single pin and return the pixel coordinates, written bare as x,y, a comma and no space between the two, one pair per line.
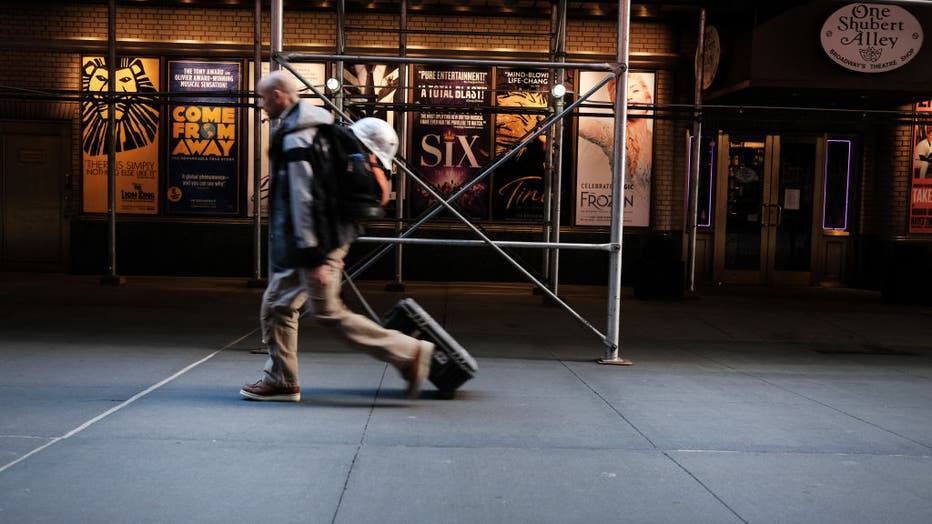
137,123
519,182
203,157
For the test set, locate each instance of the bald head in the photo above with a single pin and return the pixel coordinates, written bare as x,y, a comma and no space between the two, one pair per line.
278,92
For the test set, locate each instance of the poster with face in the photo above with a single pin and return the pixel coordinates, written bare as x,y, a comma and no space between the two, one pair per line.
594,153
137,131
313,73
203,143
450,142
920,201
518,189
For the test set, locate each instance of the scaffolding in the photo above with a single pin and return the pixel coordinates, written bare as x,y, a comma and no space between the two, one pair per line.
555,114
557,65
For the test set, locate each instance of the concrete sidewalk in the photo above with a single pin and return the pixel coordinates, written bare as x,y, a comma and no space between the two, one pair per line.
120,404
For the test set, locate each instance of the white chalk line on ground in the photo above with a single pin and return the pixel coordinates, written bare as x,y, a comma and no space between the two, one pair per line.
122,405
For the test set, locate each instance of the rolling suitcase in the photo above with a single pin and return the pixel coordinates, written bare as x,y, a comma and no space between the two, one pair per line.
451,365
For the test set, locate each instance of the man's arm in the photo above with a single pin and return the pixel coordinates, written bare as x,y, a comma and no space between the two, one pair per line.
301,199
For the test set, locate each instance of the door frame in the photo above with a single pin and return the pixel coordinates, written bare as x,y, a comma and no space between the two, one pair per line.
62,129
770,214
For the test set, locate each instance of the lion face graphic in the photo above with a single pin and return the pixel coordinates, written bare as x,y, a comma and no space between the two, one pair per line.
136,117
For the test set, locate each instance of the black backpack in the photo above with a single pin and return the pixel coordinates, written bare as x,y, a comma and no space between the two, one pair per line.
344,168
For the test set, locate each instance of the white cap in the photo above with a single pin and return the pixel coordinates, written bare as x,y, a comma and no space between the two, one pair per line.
379,136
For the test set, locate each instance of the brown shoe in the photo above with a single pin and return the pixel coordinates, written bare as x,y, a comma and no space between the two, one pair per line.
262,391
419,368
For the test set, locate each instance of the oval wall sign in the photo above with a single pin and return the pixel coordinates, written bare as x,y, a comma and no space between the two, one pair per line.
871,38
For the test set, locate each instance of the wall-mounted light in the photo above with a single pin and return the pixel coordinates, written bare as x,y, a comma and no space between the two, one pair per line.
558,90
333,84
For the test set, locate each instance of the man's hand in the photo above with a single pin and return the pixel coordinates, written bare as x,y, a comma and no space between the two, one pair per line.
322,274
319,275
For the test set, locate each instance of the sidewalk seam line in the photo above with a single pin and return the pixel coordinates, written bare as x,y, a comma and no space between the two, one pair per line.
121,405
690,473
810,399
362,440
843,412
610,406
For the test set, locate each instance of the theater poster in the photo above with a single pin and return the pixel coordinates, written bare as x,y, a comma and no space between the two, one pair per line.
450,143
313,73
203,152
368,87
518,185
137,123
920,201
594,157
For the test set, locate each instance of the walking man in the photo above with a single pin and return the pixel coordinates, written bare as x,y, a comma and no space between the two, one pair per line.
307,244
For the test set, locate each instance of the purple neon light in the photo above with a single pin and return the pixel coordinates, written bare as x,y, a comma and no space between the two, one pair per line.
711,169
689,170
825,188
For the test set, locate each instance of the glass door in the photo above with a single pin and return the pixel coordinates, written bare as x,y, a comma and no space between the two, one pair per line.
764,222
792,210
743,192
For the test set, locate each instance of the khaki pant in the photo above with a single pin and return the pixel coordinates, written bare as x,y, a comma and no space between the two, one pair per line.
290,295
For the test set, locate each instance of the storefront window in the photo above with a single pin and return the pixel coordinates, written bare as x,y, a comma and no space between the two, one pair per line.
836,184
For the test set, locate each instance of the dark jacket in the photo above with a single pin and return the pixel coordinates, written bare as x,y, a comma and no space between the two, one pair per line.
303,229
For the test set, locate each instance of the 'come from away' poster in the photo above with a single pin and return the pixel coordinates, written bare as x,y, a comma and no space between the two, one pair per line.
203,152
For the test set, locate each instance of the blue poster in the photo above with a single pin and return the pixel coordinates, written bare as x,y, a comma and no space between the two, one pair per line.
203,149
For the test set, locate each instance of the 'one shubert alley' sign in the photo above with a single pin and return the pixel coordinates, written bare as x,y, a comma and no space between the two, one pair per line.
871,38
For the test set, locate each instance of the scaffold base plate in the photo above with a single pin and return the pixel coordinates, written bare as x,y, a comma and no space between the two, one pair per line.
615,362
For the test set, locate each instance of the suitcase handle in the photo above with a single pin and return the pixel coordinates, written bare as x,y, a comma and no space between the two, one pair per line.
361,299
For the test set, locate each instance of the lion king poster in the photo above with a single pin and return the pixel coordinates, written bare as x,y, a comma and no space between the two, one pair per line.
137,130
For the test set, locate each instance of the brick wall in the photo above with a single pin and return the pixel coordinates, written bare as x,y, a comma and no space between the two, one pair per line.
900,179
885,188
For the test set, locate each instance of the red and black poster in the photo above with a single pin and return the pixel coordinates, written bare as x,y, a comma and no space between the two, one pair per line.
920,200
450,137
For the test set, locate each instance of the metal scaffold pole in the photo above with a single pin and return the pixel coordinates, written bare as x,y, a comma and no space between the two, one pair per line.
618,188
397,283
554,191
111,277
275,35
257,154
695,155
341,50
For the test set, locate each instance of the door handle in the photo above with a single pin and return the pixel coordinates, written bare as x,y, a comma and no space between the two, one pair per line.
765,215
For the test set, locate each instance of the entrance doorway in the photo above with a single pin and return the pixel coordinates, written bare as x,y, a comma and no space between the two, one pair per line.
769,194
35,158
